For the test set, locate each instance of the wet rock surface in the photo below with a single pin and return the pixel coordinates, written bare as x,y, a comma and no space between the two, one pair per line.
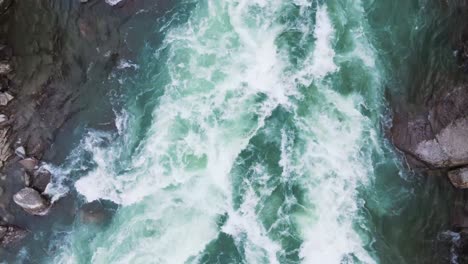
32,201
50,63
11,235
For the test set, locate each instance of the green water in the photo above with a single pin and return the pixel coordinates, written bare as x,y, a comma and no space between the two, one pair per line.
253,132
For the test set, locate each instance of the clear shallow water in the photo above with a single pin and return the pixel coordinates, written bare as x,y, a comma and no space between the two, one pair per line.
252,132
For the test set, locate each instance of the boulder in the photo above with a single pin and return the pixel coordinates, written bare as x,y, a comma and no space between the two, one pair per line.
31,201
5,98
29,163
448,149
11,235
20,152
459,177
41,179
438,135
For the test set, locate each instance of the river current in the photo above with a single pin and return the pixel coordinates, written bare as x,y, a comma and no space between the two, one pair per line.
253,131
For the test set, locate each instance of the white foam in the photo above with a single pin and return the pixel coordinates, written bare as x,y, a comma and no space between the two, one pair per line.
179,180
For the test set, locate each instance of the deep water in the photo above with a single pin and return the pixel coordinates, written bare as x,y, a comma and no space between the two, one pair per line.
253,131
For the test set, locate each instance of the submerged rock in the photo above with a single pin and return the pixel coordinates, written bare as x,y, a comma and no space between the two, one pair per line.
31,201
10,235
459,178
94,213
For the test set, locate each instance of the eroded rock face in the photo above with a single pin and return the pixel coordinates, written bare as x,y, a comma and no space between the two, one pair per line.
11,235
31,201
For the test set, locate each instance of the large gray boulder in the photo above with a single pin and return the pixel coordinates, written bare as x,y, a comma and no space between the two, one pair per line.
436,137
32,201
10,235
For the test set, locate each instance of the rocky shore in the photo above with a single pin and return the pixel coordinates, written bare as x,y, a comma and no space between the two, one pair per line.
49,50
430,125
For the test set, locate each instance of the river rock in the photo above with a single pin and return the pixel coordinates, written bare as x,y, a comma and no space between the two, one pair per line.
459,178
41,179
437,137
31,201
20,152
5,98
10,235
29,163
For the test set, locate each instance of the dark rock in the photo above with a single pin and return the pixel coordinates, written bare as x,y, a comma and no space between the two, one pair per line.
29,163
11,235
31,201
459,178
4,5
41,179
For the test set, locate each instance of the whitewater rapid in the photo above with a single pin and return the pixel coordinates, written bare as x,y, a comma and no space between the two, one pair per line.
258,138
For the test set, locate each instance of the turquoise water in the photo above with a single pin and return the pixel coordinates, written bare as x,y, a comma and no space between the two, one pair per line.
253,131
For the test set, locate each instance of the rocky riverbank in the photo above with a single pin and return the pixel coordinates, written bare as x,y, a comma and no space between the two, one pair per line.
49,50
430,124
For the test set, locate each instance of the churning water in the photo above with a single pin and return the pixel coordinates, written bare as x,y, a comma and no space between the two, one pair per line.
252,133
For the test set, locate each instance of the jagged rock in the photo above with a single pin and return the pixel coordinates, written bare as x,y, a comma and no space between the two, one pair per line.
5,151
5,98
20,152
10,235
31,201
459,178
29,163
41,179
5,67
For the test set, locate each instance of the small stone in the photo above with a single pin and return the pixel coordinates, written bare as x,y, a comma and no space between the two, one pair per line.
3,118
5,98
5,67
459,178
20,151
29,163
31,201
